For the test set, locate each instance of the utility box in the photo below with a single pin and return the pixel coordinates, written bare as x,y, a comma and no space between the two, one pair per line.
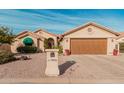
52,68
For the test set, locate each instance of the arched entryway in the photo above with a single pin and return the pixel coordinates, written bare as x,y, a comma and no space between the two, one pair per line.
50,42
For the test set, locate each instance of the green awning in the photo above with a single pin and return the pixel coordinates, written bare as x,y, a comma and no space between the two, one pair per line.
28,41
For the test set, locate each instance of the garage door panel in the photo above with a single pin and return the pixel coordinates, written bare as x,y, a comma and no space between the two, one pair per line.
88,46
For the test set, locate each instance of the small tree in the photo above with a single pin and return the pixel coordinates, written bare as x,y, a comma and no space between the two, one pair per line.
46,46
6,35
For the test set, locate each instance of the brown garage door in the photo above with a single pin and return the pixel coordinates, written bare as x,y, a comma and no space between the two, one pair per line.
88,46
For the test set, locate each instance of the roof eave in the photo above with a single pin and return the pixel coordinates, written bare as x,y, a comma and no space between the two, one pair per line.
90,23
45,32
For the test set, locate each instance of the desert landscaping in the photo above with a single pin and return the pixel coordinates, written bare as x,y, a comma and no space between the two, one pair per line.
73,69
90,53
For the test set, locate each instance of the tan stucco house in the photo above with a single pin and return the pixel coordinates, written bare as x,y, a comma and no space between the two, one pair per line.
90,38
38,38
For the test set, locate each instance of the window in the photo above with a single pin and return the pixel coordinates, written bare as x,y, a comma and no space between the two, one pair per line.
89,29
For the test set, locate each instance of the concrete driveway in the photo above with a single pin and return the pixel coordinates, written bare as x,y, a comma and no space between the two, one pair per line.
73,69
97,67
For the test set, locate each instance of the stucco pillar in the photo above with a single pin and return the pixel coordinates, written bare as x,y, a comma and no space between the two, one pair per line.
66,44
118,48
55,41
14,46
69,44
42,46
110,46
52,68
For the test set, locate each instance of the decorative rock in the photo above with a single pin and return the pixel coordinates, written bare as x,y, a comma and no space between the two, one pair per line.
24,58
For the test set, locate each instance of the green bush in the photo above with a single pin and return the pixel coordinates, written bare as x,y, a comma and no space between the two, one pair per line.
6,57
27,49
46,45
122,47
60,49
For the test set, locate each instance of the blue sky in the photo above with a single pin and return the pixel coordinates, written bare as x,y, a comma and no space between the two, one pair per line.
59,20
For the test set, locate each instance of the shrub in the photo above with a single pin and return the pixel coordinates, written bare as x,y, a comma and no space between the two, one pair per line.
46,46
27,49
122,47
60,49
6,57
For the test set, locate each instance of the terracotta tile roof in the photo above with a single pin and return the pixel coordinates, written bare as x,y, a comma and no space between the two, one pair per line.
46,32
26,33
121,35
23,32
91,23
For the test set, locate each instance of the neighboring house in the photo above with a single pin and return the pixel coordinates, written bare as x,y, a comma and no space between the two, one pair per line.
120,40
90,38
38,38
